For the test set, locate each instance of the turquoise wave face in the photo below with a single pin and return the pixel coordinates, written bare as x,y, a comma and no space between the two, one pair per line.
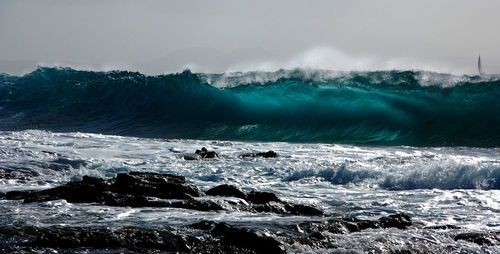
372,108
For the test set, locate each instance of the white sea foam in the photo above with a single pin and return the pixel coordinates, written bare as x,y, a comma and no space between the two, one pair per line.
367,182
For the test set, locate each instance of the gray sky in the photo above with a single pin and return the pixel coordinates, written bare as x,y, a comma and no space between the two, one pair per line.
163,36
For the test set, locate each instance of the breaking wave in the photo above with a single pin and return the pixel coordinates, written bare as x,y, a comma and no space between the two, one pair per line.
413,108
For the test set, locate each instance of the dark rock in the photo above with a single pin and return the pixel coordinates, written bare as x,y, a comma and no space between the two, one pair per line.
140,189
93,181
198,205
203,225
125,190
120,199
50,153
268,154
54,194
14,195
155,185
264,201
399,220
191,157
272,207
204,153
351,225
260,197
159,178
303,210
443,227
492,238
133,238
247,238
226,190
316,235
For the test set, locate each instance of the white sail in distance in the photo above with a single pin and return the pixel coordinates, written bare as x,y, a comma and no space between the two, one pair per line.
479,67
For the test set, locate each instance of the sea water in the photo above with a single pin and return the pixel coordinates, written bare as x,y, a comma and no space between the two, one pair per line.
360,145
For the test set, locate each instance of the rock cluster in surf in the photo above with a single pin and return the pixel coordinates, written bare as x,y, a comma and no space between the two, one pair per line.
140,189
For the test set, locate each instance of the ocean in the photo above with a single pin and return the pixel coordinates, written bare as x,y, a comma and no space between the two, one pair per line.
355,145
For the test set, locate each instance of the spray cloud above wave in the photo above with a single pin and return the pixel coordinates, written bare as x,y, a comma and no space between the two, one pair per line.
331,58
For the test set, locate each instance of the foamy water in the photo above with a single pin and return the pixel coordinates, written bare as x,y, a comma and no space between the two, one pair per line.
435,186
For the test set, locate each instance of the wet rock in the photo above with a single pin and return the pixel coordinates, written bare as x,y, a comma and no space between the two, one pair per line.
232,239
132,189
226,190
119,199
132,238
15,195
159,178
191,157
140,189
316,235
399,220
260,197
492,238
263,201
443,227
156,185
303,210
268,154
205,154
271,207
247,238
203,225
51,153
351,225
199,205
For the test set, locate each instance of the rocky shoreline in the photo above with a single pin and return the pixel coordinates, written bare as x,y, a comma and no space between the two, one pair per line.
141,189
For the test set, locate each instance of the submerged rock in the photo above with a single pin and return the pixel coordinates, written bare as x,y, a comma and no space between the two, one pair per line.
200,154
254,240
492,238
352,225
138,239
400,220
246,238
264,201
204,153
213,238
191,157
443,227
268,154
314,233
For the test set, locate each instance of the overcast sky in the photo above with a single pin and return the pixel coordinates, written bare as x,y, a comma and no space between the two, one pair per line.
164,36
